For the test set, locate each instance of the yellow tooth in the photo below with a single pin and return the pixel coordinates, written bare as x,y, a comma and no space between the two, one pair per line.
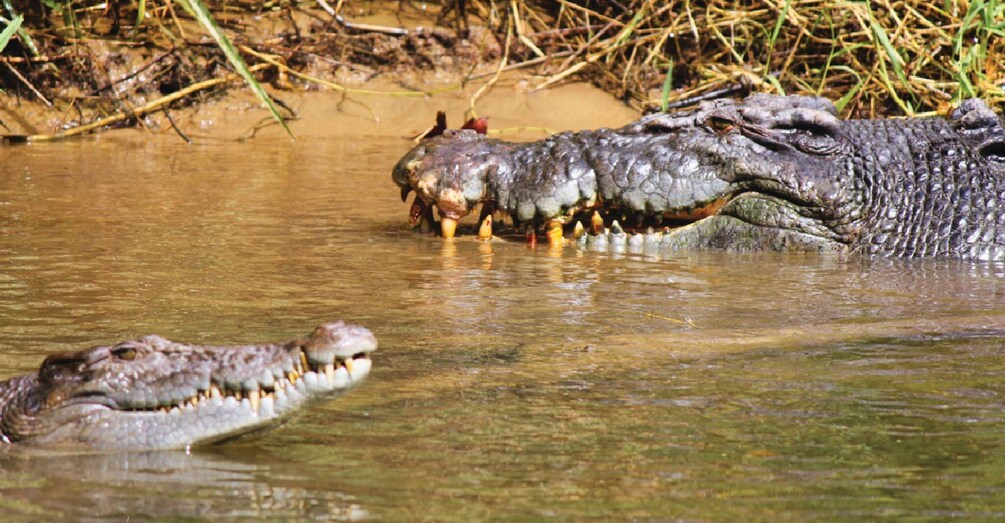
292,376
554,233
578,231
485,229
448,226
597,223
195,401
214,391
303,362
348,366
254,397
238,395
330,372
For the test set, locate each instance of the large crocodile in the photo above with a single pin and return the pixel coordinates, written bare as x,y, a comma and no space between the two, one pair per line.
765,173
152,393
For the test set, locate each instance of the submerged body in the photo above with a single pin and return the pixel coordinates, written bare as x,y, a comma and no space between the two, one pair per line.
153,393
765,173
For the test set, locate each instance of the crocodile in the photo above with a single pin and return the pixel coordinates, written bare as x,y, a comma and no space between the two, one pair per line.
153,393
767,172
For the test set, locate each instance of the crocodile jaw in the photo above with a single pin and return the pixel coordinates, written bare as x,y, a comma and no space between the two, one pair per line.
210,419
153,393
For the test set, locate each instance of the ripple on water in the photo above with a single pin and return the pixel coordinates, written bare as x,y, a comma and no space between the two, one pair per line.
511,383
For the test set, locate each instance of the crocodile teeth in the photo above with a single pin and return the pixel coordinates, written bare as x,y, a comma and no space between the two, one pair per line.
303,362
330,372
214,391
485,229
616,228
596,223
448,226
254,397
348,366
578,230
555,233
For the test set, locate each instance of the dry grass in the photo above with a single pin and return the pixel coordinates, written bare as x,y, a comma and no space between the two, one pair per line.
872,57
876,57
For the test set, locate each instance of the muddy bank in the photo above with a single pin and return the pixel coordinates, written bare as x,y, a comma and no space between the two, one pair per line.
513,109
82,61
150,80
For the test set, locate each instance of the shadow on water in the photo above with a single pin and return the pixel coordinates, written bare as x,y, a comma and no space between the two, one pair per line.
510,383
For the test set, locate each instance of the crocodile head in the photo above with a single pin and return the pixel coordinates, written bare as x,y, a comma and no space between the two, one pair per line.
754,174
154,393
764,173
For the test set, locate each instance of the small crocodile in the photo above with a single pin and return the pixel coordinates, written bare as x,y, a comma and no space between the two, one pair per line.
152,393
765,173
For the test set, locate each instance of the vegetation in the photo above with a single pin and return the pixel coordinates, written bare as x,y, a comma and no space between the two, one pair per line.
873,57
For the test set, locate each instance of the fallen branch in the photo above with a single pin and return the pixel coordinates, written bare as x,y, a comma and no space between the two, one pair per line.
394,31
138,112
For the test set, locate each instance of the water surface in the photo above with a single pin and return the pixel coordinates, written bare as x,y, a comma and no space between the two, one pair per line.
510,383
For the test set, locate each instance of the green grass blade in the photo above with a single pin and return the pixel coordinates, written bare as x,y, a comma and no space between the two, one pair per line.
626,33
773,39
141,14
667,85
25,38
202,14
9,31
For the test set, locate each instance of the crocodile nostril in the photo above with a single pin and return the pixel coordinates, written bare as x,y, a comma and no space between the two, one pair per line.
994,151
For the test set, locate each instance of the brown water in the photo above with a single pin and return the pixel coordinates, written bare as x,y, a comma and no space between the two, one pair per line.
511,383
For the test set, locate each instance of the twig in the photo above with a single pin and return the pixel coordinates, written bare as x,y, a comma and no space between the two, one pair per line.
175,127
35,59
686,321
271,60
394,31
140,111
502,63
520,65
133,74
27,83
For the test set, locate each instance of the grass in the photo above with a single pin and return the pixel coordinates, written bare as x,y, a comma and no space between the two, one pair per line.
876,57
9,31
872,57
198,10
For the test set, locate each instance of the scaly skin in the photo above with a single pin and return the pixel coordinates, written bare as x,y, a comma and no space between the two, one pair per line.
765,173
153,393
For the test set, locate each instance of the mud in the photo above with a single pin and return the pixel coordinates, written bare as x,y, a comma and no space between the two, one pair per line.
100,66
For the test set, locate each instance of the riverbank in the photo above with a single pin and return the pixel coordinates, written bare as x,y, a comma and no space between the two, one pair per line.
123,64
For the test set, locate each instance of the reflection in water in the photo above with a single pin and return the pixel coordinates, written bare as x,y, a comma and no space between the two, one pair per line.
201,485
512,382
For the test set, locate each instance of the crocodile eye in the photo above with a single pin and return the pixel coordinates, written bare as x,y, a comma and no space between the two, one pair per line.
719,124
125,353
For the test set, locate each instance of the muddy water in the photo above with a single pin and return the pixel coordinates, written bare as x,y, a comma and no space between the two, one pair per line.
511,383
